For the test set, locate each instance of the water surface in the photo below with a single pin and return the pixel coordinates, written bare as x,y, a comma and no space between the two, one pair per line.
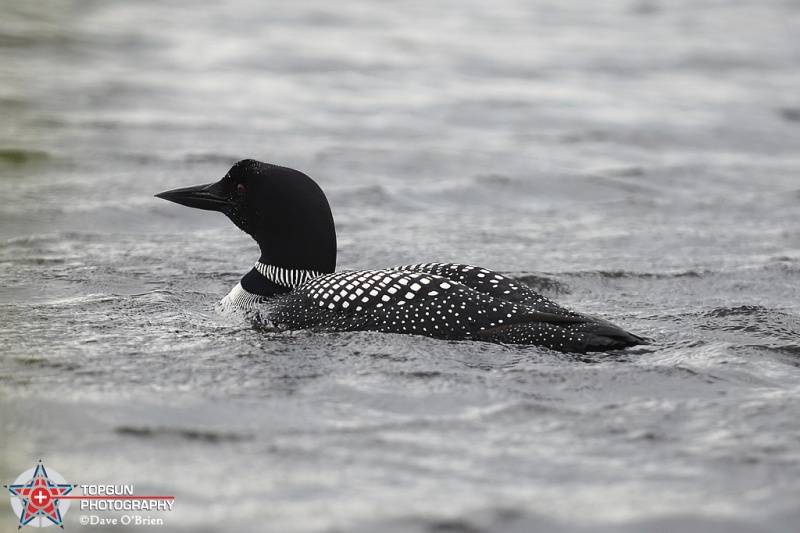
637,160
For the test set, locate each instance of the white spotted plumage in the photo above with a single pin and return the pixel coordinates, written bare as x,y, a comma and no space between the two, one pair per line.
440,300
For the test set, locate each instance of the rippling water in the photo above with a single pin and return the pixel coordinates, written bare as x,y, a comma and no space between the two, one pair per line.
637,160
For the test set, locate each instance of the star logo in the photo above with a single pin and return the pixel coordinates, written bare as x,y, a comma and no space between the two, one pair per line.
35,497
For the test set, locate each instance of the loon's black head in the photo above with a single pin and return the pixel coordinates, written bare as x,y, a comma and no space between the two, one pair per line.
284,210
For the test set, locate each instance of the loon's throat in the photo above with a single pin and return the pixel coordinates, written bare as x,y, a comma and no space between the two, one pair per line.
264,281
285,277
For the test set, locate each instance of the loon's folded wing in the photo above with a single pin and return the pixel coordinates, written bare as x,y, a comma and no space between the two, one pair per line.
491,283
396,301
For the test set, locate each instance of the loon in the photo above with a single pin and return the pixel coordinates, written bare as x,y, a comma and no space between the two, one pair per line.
295,280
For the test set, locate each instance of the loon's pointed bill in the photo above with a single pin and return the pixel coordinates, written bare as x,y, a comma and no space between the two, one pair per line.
294,285
200,196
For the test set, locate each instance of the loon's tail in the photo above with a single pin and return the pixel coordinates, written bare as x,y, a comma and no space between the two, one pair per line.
564,333
601,336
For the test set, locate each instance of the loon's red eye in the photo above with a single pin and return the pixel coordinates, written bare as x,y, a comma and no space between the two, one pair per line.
240,190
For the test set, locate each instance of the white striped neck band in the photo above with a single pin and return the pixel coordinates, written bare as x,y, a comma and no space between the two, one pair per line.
286,277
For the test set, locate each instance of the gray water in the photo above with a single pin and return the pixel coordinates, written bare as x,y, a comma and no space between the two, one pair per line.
638,160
